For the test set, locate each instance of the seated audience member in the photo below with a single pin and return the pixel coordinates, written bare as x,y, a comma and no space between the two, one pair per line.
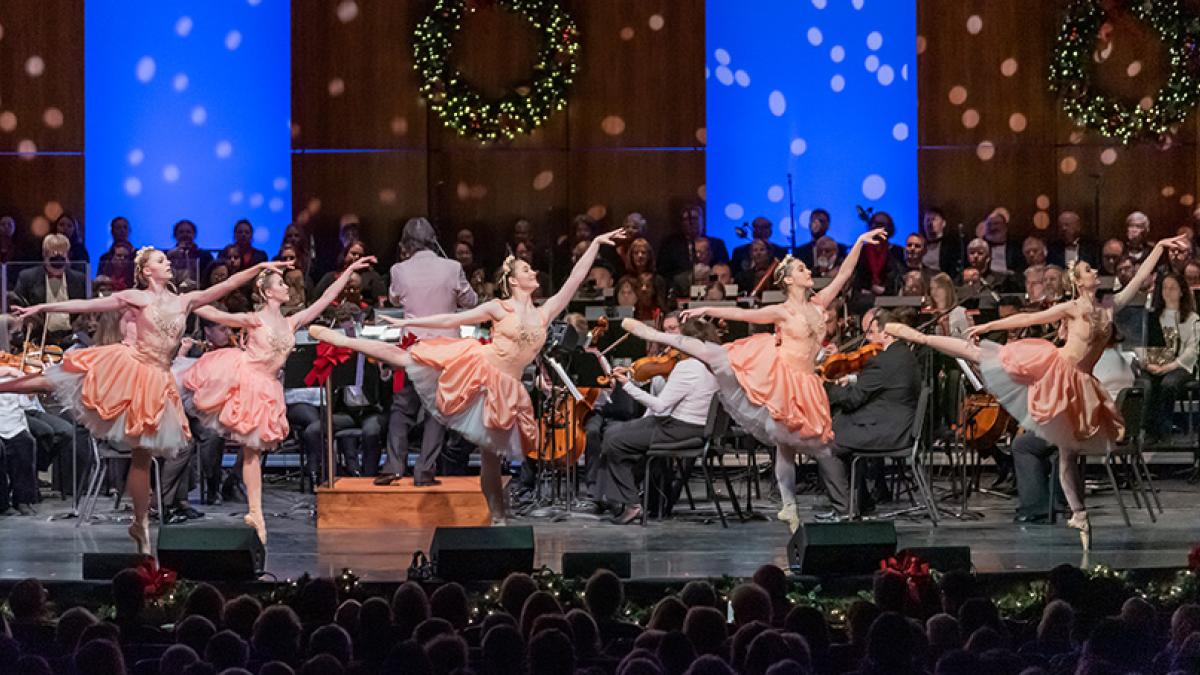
759,269
676,251
873,414
914,284
295,236
640,263
1034,251
914,256
118,266
677,413
1173,332
373,286
943,248
119,229
1137,236
697,273
818,228
723,273
979,269
52,281
1110,257
881,265
626,293
1004,256
1071,244
1054,278
600,279
188,260
67,226
827,258
760,228
243,248
1191,274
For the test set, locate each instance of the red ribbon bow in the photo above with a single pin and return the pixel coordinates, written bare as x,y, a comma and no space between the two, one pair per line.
327,357
1194,558
156,581
914,570
398,375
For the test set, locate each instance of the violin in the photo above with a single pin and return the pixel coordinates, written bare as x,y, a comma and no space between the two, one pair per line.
839,365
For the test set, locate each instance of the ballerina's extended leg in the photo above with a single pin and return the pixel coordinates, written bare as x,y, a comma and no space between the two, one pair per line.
252,478
29,384
705,351
383,351
950,346
493,486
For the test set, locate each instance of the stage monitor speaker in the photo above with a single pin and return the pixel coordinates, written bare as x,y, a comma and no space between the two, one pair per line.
104,566
850,548
481,553
211,553
942,558
582,564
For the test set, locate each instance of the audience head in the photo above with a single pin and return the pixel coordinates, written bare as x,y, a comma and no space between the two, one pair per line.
1034,250
195,631
691,220
99,657
176,659
1184,621
184,233
883,220
428,629
810,624
604,594
890,590
818,223
206,601
450,602
1137,229
979,255
702,251
750,603
1172,292
978,612
1110,255
277,634
540,603
27,601
119,229
933,224
1069,227
914,285
996,227
890,643
227,650
705,626
129,594
332,639
348,614
243,233
349,229
410,606
318,601
70,627
942,291
669,614
943,632
859,617
551,652
514,590
723,272
503,651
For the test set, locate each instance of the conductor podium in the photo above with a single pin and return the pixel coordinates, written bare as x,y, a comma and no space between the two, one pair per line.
356,503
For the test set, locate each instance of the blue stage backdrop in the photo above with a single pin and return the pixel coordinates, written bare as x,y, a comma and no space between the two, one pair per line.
823,89
188,116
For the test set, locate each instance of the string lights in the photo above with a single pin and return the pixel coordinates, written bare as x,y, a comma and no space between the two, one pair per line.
524,107
1154,119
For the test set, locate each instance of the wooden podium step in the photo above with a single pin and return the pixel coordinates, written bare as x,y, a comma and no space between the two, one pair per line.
356,503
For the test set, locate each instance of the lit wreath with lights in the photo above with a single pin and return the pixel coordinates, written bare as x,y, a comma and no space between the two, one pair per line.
526,106
1070,77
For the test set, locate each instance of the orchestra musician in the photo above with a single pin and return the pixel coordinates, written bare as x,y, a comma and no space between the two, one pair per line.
767,382
677,413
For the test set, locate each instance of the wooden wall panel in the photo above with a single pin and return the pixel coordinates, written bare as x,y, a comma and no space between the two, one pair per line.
975,161
640,86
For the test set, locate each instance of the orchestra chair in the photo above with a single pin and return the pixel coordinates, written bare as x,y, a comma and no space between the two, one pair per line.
684,454
910,468
102,454
1126,452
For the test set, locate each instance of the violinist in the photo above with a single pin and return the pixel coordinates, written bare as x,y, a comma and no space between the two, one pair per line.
677,413
875,413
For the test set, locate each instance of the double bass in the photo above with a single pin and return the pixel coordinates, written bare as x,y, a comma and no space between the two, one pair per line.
565,426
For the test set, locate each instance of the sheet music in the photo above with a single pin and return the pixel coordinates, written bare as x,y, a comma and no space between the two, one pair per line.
969,371
564,378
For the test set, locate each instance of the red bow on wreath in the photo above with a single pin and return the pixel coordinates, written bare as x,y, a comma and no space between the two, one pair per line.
156,581
327,357
1194,558
914,570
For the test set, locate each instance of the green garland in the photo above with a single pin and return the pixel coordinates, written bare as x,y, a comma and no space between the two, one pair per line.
1070,72
525,107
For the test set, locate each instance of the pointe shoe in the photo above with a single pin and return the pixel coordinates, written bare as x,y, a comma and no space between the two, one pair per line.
255,519
1080,522
140,533
790,515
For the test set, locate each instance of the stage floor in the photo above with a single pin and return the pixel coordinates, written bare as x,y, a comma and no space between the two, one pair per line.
681,548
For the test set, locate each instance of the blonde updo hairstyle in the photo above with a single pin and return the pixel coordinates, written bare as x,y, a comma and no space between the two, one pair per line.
504,283
139,263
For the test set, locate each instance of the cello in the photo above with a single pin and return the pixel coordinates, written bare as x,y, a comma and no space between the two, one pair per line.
565,426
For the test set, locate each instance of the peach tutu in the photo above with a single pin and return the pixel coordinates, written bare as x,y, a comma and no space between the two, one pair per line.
775,402
462,387
121,399
231,395
1050,396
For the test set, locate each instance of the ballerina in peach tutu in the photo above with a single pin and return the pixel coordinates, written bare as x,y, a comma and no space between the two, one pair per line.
768,381
125,393
1051,390
237,392
474,388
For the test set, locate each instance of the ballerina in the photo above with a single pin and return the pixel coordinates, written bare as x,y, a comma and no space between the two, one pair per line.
237,392
1051,390
124,393
768,382
474,388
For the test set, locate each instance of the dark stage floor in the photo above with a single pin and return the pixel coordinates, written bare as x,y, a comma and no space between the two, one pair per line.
685,547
